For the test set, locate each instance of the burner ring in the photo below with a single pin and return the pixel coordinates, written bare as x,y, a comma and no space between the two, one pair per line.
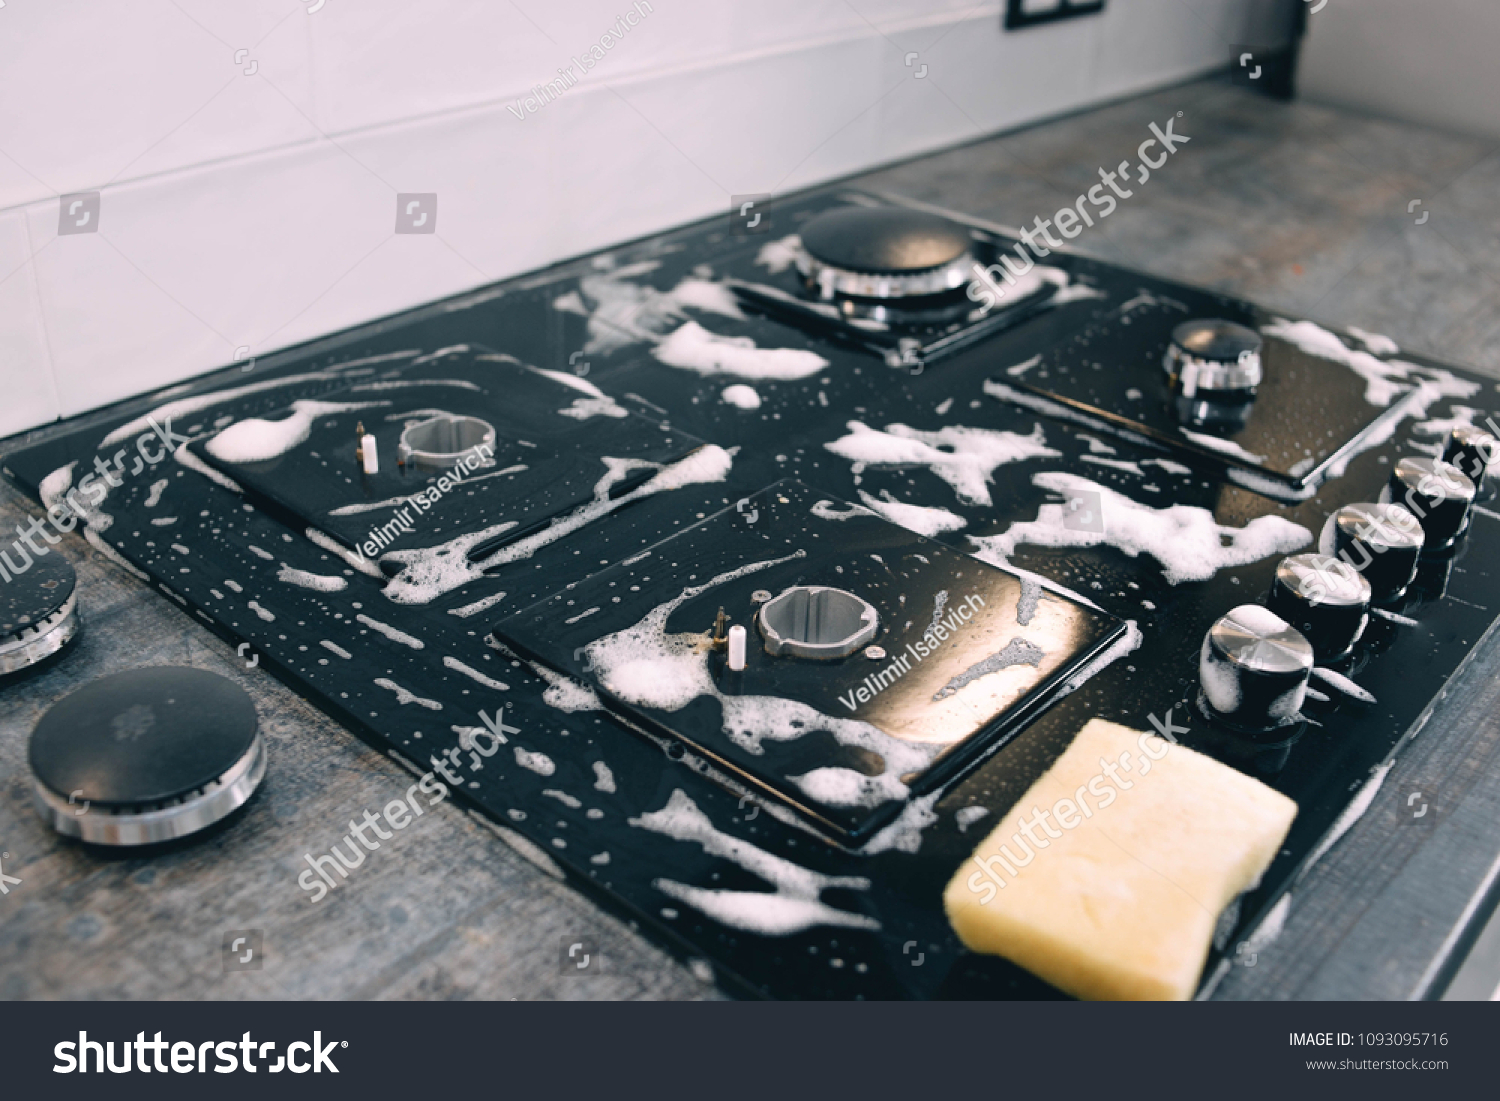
145,756
38,613
829,281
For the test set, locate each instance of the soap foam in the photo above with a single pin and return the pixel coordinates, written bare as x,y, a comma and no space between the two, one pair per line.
322,583
475,674
741,396
793,906
921,519
963,457
1186,540
694,348
257,441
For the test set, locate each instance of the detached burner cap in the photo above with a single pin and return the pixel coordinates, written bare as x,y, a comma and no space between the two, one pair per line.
146,756
38,612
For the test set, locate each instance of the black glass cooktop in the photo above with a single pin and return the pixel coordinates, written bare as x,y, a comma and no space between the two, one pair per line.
717,851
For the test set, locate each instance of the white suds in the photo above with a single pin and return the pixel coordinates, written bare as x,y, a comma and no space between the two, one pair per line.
1374,342
564,693
235,585
1021,368
334,547
478,606
1126,644
1221,445
184,456
1118,464
620,312
489,682
154,498
963,457
562,797
259,553
905,833
1384,379
255,607
1185,539
581,615
778,256
1267,932
1352,814
429,572
323,583
827,510
257,441
391,632
404,697
694,348
186,407
164,521
537,762
1341,683
741,396
921,519
334,648
968,816
1168,465
795,904
604,779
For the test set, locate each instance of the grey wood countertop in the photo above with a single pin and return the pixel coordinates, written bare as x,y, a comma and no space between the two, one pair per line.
1299,207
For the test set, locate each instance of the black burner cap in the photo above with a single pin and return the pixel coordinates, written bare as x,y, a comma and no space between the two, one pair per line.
33,596
143,737
884,240
38,607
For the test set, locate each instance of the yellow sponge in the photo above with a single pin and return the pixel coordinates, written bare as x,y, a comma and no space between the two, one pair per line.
1108,877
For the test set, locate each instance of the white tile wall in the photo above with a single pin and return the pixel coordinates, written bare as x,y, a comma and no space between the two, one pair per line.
255,210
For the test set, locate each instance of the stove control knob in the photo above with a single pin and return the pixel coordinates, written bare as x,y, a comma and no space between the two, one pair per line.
1325,599
1438,493
1213,368
1382,541
1474,451
1253,670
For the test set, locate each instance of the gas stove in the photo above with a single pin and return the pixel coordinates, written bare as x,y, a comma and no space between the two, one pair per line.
743,579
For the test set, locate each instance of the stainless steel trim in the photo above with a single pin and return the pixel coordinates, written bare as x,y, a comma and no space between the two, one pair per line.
831,281
185,816
42,639
1193,374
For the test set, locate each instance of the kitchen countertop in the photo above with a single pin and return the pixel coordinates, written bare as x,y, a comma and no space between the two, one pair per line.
1299,207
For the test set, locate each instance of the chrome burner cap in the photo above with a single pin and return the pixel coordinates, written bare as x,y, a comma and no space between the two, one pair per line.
145,756
884,252
38,608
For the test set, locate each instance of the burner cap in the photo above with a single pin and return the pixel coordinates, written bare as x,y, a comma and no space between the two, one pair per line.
885,252
884,240
38,611
147,755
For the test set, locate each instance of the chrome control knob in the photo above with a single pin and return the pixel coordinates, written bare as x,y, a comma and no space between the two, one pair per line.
1382,541
1325,599
1475,452
1438,494
1253,670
